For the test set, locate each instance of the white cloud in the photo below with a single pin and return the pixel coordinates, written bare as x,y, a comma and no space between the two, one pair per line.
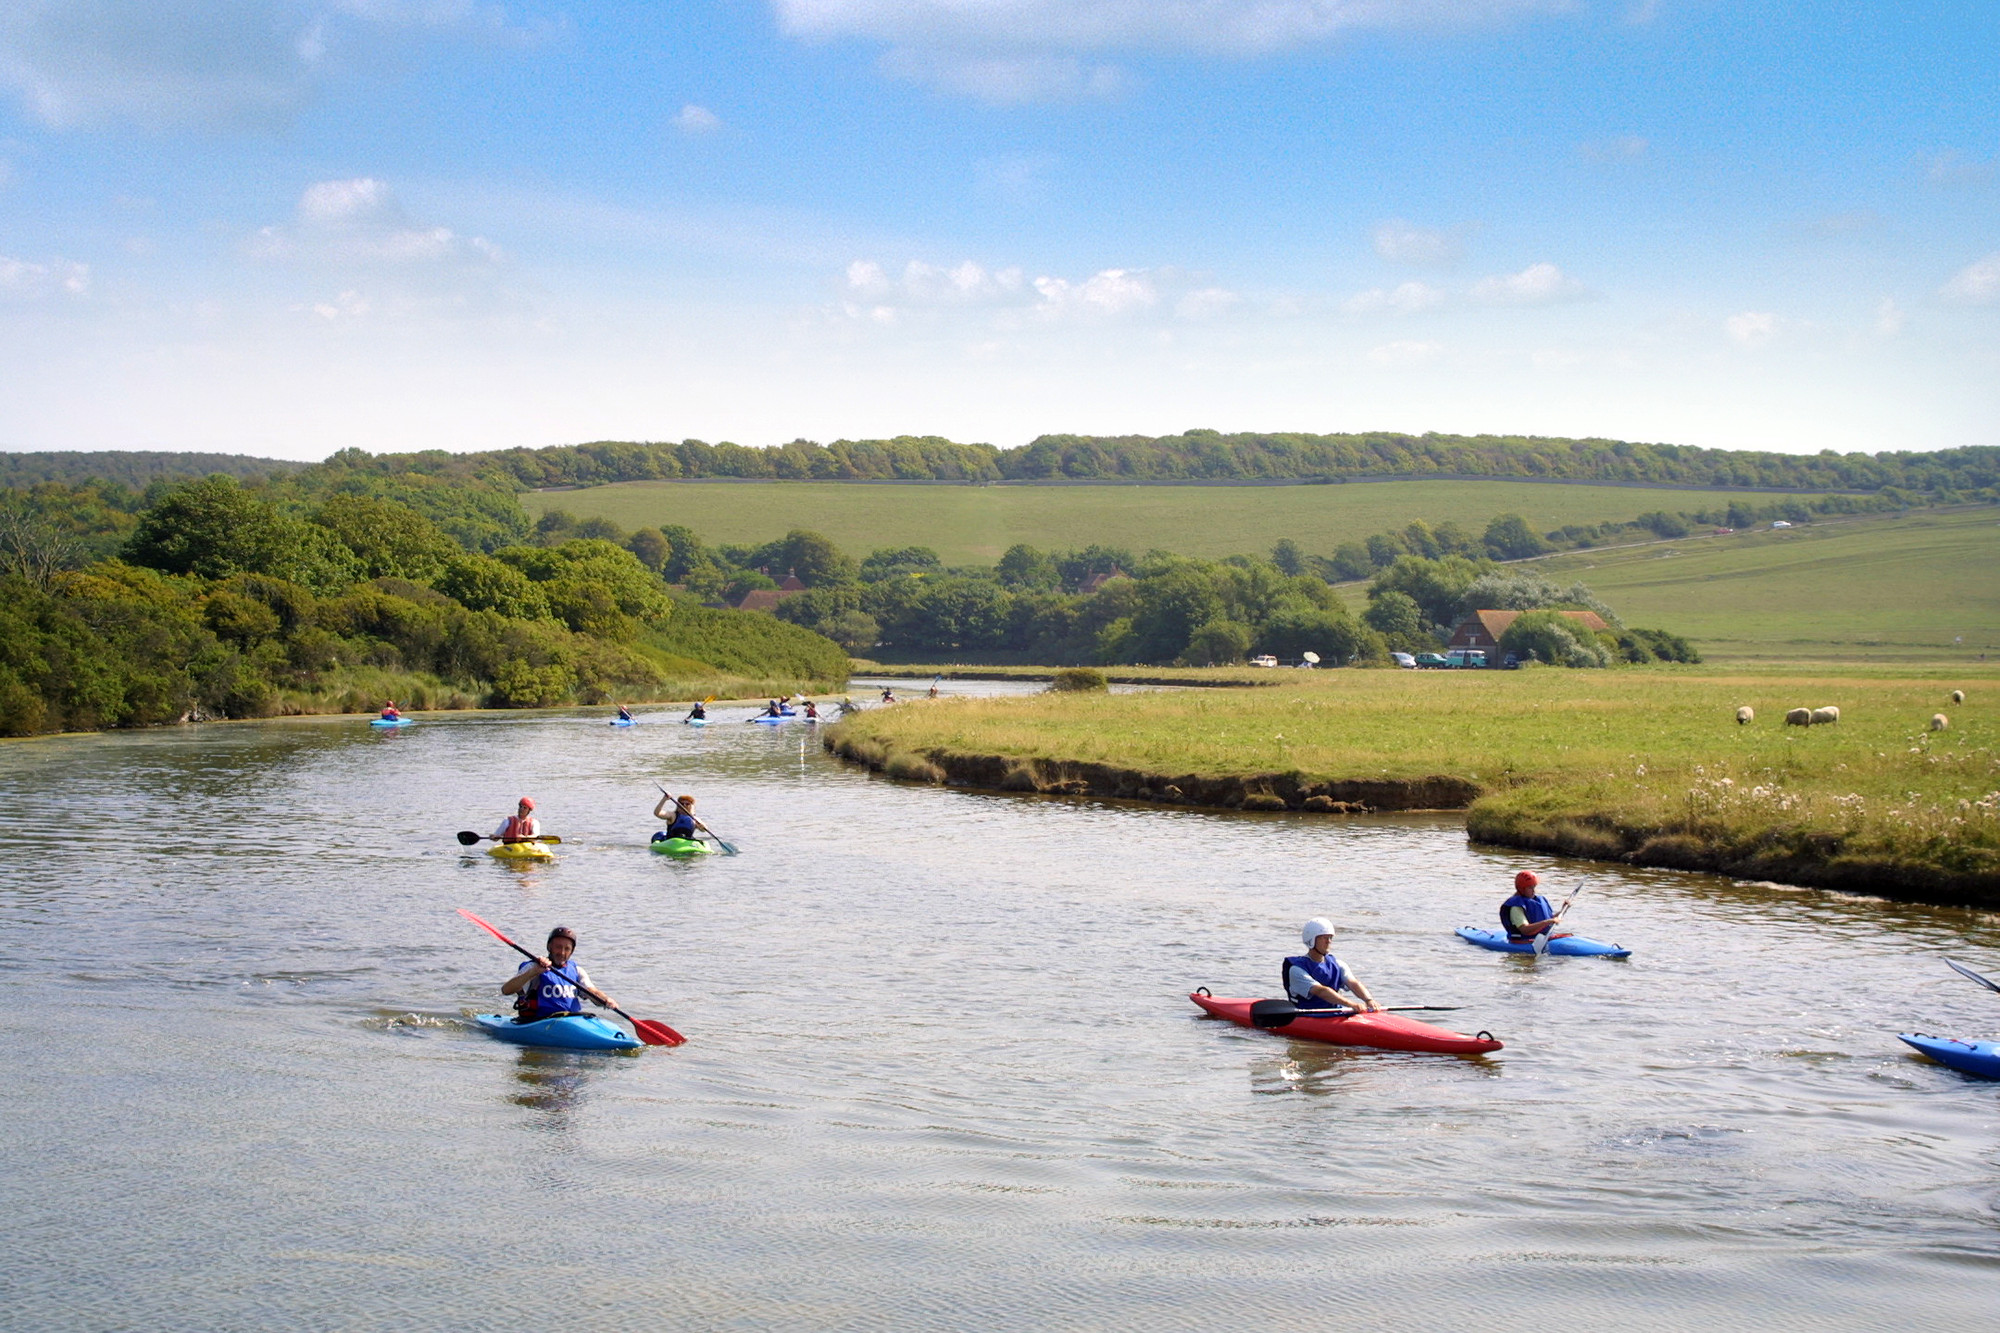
1021,50
1403,242
1952,168
1977,283
696,120
1405,355
1111,291
205,62
1752,328
359,221
1621,148
1016,175
1207,303
1537,284
21,279
1408,298
1889,318
349,305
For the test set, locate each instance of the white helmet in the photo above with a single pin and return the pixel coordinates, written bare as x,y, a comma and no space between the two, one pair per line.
1315,928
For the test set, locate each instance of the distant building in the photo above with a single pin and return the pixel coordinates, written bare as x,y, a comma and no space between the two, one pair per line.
1096,581
1482,629
762,599
791,583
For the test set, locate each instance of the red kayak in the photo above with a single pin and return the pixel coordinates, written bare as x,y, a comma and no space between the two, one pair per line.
1384,1032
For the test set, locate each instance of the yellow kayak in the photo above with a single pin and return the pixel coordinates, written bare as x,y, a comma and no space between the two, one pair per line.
521,851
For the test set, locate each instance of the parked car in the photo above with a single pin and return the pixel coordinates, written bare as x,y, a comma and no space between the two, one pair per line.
1264,660
1466,657
1430,660
1781,524
1403,660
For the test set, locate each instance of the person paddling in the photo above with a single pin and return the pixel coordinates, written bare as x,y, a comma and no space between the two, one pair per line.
1315,979
812,711
521,826
1528,914
552,986
679,811
774,709
888,695
390,712
697,713
624,713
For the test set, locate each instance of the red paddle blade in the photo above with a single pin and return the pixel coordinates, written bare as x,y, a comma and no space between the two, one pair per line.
488,929
656,1033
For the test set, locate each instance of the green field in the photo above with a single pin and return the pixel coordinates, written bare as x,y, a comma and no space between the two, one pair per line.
1902,587
974,524
1641,764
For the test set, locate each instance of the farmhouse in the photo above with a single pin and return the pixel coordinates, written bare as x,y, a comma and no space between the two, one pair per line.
1481,630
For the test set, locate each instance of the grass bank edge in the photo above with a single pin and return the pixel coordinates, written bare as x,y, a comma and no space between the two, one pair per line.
1642,767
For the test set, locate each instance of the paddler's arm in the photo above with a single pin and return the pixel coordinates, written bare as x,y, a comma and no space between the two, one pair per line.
591,993
660,810
1361,993
525,978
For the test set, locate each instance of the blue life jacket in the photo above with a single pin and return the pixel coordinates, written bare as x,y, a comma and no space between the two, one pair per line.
1328,973
682,827
1535,905
555,990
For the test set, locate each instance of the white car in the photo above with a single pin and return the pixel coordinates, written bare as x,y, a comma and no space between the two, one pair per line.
1405,660
1780,523
1264,660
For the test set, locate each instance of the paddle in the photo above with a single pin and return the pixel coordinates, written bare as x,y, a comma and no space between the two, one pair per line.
727,847
1965,971
650,1032
468,837
1269,1014
1542,936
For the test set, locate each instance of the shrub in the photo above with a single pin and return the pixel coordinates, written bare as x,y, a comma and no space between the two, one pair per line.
1080,680
1547,636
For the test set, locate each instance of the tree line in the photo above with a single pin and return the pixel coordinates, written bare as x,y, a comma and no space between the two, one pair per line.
213,599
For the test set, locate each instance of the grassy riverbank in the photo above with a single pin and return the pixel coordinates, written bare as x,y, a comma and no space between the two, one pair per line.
1647,766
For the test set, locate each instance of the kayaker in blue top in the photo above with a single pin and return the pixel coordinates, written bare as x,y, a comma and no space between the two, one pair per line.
1315,979
553,985
1528,914
682,823
697,713
624,713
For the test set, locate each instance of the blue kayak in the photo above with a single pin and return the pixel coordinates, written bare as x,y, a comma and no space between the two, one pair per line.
624,721
773,721
1968,1057
393,722
1567,946
694,721
570,1032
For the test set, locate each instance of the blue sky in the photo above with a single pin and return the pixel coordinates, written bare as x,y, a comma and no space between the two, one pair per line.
288,226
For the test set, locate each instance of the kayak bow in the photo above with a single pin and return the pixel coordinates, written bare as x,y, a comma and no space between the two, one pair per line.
682,847
1381,1031
1968,1057
520,851
571,1032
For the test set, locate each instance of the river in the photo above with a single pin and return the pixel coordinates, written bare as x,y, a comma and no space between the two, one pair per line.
942,1073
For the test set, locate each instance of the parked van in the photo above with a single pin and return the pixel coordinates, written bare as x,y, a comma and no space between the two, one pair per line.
1466,657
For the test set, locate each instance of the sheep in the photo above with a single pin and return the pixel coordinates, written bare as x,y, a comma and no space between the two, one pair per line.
1939,721
1958,696
1745,716
1827,715
1799,717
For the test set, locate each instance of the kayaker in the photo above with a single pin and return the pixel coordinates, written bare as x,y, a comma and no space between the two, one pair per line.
1315,979
934,690
390,712
812,711
521,826
774,709
1528,914
548,987
624,713
697,713
888,695
679,811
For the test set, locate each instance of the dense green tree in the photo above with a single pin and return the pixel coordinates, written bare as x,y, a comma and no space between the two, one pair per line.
1025,568
1509,537
1218,643
213,528
1550,637
387,538
1288,556
891,561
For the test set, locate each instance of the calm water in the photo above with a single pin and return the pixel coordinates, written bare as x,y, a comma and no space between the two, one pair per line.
942,1072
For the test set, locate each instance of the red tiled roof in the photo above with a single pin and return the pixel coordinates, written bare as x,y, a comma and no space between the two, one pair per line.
1482,629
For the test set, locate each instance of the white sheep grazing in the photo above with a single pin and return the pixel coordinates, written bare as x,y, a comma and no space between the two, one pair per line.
1745,716
1824,716
1799,717
1939,721
1958,696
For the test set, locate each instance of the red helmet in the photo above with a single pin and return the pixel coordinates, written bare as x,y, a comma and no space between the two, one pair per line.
1524,881
527,802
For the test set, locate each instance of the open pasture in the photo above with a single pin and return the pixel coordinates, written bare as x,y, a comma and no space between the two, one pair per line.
1917,586
975,524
